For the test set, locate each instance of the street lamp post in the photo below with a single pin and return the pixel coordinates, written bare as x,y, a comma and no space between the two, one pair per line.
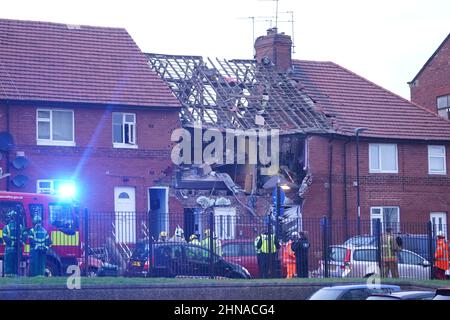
358,202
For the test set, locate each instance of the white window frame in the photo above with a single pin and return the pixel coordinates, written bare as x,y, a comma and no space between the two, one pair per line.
132,145
430,156
381,217
380,169
225,218
51,141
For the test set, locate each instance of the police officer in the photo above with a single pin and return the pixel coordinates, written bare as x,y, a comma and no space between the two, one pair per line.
13,250
300,246
39,244
268,253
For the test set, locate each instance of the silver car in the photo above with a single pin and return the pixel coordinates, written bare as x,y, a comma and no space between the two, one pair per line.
362,261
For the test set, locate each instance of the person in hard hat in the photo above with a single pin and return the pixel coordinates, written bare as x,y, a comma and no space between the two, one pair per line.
13,234
288,256
178,235
441,257
389,251
193,239
258,254
39,245
217,244
300,246
162,236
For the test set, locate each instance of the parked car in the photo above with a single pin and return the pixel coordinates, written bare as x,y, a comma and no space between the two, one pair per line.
417,243
442,294
352,292
404,295
243,252
362,261
172,259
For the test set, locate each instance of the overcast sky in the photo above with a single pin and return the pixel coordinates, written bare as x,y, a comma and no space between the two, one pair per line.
386,41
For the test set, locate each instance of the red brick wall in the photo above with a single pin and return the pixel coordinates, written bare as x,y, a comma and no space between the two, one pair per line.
434,80
277,47
93,162
415,191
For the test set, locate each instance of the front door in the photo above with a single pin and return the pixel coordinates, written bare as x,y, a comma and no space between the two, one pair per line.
125,214
439,222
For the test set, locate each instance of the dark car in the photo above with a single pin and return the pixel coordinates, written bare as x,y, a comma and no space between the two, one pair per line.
404,295
172,259
442,294
352,292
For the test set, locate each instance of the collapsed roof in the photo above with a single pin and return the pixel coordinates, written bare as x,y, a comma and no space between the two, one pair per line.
238,94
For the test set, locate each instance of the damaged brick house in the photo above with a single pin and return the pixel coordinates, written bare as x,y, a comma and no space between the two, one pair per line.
317,106
79,106
430,87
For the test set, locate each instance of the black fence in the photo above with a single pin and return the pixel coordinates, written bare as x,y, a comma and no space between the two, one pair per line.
219,243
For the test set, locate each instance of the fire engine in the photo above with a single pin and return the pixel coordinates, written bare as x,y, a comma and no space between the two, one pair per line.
60,217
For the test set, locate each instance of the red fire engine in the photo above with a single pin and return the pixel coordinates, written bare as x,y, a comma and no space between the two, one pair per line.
60,217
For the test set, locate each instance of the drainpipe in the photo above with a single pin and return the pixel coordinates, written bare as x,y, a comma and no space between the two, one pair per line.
344,147
8,165
330,179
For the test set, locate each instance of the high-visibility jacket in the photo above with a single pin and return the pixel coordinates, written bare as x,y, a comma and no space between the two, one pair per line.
196,242
441,254
217,245
39,239
10,236
389,248
265,243
287,255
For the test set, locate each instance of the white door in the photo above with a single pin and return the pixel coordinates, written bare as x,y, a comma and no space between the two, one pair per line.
439,222
125,211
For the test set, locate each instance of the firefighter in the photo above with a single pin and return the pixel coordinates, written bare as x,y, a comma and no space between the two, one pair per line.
162,236
193,239
13,250
268,253
389,251
217,244
300,246
441,257
288,256
39,245
258,255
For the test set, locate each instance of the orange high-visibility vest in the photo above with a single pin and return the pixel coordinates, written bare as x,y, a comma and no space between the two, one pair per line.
441,255
287,255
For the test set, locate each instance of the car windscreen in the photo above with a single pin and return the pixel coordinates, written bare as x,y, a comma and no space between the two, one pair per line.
365,255
7,206
360,241
61,216
326,294
140,250
337,254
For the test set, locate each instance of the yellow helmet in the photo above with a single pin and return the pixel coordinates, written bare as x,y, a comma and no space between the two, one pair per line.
207,232
193,236
163,234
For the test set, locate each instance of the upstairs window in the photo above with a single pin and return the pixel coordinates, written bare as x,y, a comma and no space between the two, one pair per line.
55,127
443,106
383,158
124,130
436,160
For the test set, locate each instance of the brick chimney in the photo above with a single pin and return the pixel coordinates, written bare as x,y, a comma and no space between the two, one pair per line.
277,47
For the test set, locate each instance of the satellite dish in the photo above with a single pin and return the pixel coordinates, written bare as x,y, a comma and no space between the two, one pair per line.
20,163
6,141
20,181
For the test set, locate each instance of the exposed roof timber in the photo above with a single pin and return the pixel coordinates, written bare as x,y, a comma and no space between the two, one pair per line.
230,94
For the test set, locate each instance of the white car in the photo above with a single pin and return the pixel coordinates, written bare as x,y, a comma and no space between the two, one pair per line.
362,261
